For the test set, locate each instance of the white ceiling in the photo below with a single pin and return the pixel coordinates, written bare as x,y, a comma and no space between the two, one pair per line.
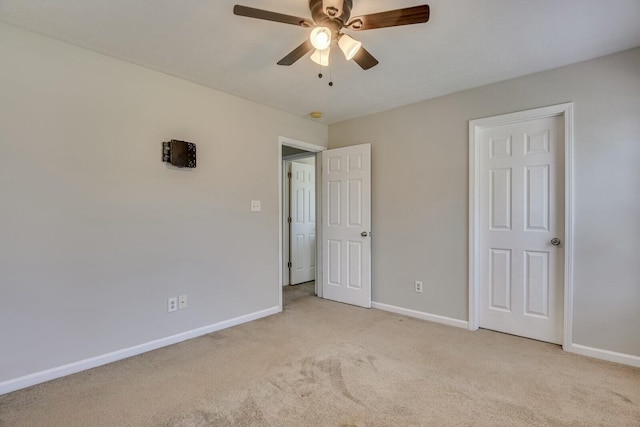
466,43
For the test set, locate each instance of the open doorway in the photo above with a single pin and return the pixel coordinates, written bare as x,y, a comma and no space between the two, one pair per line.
343,190
300,212
299,216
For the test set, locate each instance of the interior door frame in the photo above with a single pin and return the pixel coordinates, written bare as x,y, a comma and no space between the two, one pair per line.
313,148
287,164
475,127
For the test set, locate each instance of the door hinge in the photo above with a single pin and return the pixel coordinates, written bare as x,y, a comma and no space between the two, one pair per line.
289,174
289,220
289,264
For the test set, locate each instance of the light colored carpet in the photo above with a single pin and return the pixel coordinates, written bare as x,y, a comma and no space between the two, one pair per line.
329,364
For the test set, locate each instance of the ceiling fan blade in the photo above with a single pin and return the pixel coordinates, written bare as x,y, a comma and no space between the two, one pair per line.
391,18
364,59
297,53
251,12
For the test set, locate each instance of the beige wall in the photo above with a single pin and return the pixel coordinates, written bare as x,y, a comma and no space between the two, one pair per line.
420,193
97,232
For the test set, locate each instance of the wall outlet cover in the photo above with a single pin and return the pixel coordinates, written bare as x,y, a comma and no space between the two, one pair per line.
182,302
418,286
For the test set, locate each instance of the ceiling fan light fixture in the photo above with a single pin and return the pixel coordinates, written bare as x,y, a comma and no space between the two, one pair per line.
321,57
321,38
349,46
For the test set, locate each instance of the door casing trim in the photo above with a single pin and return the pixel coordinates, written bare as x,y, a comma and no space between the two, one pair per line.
475,126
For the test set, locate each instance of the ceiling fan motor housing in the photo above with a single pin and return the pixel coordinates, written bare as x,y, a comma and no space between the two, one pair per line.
321,17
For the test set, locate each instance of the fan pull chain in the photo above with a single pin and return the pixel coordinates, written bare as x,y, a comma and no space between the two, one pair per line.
330,75
320,67
330,71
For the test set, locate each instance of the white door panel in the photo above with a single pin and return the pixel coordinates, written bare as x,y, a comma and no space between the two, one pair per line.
303,223
346,189
521,211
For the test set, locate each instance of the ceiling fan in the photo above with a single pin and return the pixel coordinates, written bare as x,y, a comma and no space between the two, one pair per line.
329,18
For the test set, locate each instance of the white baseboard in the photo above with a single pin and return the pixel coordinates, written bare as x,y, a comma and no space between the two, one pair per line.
82,365
421,315
611,356
596,353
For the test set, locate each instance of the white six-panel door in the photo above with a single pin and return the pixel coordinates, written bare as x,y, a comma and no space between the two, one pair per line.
303,223
346,206
521,212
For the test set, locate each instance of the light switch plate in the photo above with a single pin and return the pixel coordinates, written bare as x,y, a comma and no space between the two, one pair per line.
255,206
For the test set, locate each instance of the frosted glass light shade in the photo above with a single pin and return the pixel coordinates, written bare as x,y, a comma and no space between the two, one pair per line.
349,46
320,38
321,57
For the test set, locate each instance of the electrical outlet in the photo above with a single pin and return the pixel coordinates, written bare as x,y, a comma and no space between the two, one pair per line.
172,304
182,302
418,286
256,206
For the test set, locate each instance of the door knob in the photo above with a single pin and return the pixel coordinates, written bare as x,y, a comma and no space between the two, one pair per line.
555,241
364,234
